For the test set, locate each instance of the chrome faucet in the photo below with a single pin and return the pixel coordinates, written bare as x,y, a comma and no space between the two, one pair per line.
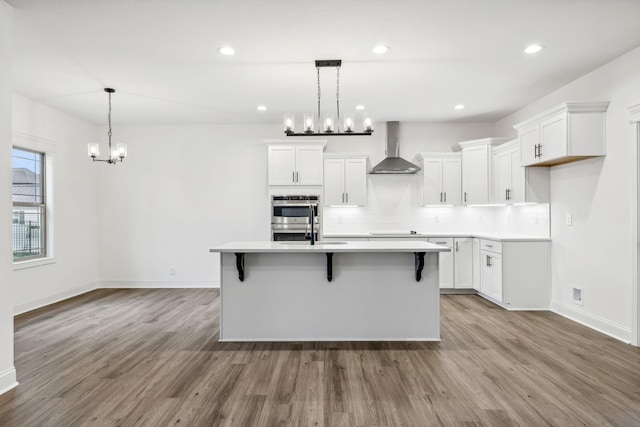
311,225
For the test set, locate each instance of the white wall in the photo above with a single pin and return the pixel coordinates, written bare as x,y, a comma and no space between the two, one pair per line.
595,252
7,371
75,214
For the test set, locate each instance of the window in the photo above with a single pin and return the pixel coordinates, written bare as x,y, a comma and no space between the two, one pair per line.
29,209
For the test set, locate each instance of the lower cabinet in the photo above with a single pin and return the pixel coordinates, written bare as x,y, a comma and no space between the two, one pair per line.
515,275
455,267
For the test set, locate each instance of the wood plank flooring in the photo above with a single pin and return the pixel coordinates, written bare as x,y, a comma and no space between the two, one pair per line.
152,358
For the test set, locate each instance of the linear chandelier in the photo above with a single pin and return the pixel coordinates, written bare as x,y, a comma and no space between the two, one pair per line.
328,126
116,154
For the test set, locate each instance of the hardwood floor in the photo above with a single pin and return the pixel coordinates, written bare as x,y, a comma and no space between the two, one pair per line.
152,358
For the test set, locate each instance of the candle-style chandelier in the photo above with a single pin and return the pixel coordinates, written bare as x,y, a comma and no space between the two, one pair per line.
117,153
327,125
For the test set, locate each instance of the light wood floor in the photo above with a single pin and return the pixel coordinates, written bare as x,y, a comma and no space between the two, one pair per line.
152,357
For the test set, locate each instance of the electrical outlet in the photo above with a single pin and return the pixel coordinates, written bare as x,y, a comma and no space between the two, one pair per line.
172,271
576,295
568,219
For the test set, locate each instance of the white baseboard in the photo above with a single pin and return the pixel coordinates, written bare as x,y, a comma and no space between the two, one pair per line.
8,380
53,298
594,322
158,284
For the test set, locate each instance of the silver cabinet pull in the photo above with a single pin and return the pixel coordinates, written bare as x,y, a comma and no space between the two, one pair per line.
489,246
539,150
297,177
465,197
445,197
506,194
293,177
456,246
488,261
441,243
342,197
441,197
347,197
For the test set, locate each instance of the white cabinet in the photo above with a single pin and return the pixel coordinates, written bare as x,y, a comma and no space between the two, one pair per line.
345,181
490,271
476,167
566,133
513,183
445,262
463,263
516,275
291,164
442,178
455,267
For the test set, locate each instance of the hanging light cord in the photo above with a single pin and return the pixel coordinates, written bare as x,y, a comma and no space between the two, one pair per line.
338,98
110,152
319,121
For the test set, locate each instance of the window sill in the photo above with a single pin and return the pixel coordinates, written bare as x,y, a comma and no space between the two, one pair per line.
20,265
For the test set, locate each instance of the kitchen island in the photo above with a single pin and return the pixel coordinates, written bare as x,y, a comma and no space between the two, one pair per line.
331,291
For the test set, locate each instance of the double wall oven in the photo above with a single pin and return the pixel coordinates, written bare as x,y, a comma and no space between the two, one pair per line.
291,217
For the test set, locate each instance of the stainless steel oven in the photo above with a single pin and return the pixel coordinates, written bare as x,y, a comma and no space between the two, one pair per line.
291,217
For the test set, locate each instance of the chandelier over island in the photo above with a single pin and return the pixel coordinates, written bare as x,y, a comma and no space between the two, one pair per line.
117,153
328,125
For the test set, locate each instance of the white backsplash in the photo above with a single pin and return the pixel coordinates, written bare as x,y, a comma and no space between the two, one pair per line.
394,205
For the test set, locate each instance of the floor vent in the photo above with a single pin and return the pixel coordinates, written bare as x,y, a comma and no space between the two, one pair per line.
576,296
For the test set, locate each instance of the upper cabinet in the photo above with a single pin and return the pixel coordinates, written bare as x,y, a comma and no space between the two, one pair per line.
513,183
345,179
569,132
476,167
295,164
442,178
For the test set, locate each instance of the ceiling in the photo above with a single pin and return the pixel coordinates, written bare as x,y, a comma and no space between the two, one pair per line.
161,56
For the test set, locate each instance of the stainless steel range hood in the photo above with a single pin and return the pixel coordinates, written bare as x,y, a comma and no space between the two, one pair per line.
393,163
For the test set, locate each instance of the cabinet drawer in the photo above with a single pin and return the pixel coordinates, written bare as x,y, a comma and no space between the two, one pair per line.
443,241
491,245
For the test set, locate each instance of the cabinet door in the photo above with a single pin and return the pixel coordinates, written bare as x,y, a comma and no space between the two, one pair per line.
334,182
502,183
517,191
553,138
452,181
282,165
486,273
529,139
475,175
355,181
476,264
463,263
432,190
309,165
491,282
445,264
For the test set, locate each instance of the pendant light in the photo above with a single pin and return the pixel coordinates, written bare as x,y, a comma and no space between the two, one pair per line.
328,125
116,154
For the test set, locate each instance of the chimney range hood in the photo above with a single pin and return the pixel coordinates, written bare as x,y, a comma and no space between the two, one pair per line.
393,163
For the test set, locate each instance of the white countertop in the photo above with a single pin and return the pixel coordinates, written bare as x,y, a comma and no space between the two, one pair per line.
502,237
408,245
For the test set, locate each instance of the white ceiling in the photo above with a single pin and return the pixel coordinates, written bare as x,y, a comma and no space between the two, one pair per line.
161,55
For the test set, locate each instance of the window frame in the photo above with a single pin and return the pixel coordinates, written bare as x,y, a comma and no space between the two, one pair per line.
42,207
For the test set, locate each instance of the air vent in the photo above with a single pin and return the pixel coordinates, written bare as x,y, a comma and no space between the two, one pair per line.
576,296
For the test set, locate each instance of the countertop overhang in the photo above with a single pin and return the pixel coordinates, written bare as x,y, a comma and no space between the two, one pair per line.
408,245
502,237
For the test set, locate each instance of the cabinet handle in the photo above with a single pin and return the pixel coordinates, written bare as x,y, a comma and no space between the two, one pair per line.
293,177
489,246
342,197
445,197
347,197
488,261
465,197
441,243
441,197
535,151
506,194
297,180
456,246
539,150
509,194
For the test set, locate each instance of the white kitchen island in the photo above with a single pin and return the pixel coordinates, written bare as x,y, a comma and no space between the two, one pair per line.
331,291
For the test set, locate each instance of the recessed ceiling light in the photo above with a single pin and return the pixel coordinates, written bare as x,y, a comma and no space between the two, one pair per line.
459,107
534,48
360,107
262,108
227,50
380,49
